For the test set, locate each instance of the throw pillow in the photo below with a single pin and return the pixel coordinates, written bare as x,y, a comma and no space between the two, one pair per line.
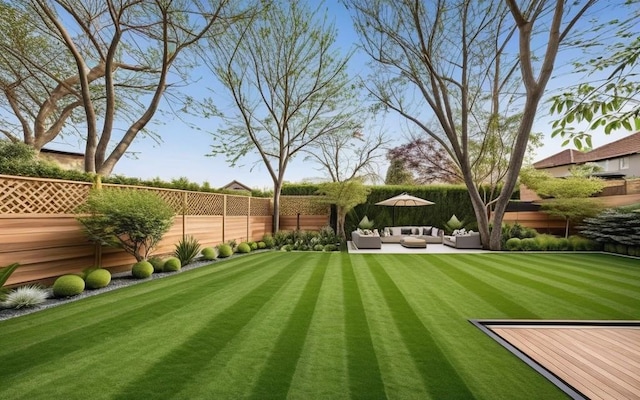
415,231
434,231
406,231
426,231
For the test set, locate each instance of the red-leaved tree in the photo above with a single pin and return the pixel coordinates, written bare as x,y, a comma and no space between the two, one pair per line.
427,161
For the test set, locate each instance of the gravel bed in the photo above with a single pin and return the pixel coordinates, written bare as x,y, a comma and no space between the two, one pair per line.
118,280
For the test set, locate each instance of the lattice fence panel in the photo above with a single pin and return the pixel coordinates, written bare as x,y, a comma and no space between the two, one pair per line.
27,196
174,198
237,205
205,203
260,207
304,205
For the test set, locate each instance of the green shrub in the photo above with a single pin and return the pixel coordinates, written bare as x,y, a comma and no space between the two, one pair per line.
142,270
269,241
563,244
262,245
330,247
133,220
513,244
529,244
172,264
68,285
287,247
579,243
244,248
224,251
158,263
97,278
187,249
87,271
318,247
545,242
5,273
25,296
253,245
365,223
209,253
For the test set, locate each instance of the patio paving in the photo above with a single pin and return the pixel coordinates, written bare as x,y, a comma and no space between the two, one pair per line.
396,248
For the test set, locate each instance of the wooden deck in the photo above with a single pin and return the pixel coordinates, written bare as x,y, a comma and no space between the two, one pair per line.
598,361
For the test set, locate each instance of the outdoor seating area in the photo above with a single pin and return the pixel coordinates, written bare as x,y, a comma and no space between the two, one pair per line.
465,241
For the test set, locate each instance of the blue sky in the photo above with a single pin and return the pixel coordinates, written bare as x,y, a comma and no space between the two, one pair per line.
183,152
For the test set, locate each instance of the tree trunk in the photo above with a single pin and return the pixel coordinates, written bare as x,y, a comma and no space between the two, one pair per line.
342,216
277,188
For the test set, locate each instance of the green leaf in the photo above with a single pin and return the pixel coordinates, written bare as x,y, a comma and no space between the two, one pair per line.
577,143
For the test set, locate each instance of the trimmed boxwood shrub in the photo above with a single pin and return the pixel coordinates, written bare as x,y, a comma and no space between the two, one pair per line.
68,285
209,253
224,251
244,248
98,278
262,245
529,244
142,270
318,247
513,244
330,247
158,264
253,245
172,264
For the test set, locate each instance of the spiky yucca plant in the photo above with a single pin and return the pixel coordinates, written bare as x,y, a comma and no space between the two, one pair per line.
25,296
187,249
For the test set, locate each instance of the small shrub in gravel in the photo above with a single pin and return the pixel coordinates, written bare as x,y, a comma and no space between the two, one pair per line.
25,296
158,263
262,245
224,251
253,245
172,264
142,270
209,253
98,278
68,285
269,241
244,248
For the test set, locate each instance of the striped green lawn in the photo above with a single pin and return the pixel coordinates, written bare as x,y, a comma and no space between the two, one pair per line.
312,326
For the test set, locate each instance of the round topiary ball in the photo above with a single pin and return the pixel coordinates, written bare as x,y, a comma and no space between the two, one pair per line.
142,270
244,248
225,251
262,245
68,285
253,245
513,244
172,264
209,253
158,264
98,278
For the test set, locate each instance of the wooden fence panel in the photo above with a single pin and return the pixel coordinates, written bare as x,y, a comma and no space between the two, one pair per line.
303,222
259,226
537,220
206,228
235,228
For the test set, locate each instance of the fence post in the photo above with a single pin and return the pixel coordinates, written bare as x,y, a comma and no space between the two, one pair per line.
248,218
184,211
224,216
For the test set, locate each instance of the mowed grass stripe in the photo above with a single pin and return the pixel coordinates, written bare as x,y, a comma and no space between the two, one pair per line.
197,349
512,269
606,268
277,374
446,307
439,376
73,333
365,380
478,283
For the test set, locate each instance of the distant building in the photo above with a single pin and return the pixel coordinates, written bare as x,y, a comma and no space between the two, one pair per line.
617,159
235,185
65,159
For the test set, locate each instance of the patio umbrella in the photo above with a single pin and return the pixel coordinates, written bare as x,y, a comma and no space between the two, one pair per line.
403,200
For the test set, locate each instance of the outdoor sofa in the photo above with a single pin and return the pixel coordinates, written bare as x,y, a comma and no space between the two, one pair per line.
366,241
429,234
466,241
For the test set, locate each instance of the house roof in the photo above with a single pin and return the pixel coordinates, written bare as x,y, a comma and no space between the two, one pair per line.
235,185
66,153
621,147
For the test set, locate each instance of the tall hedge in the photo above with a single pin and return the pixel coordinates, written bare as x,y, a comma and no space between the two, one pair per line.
448,199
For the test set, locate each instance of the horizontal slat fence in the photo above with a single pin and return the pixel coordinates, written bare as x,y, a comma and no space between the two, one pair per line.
38,228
